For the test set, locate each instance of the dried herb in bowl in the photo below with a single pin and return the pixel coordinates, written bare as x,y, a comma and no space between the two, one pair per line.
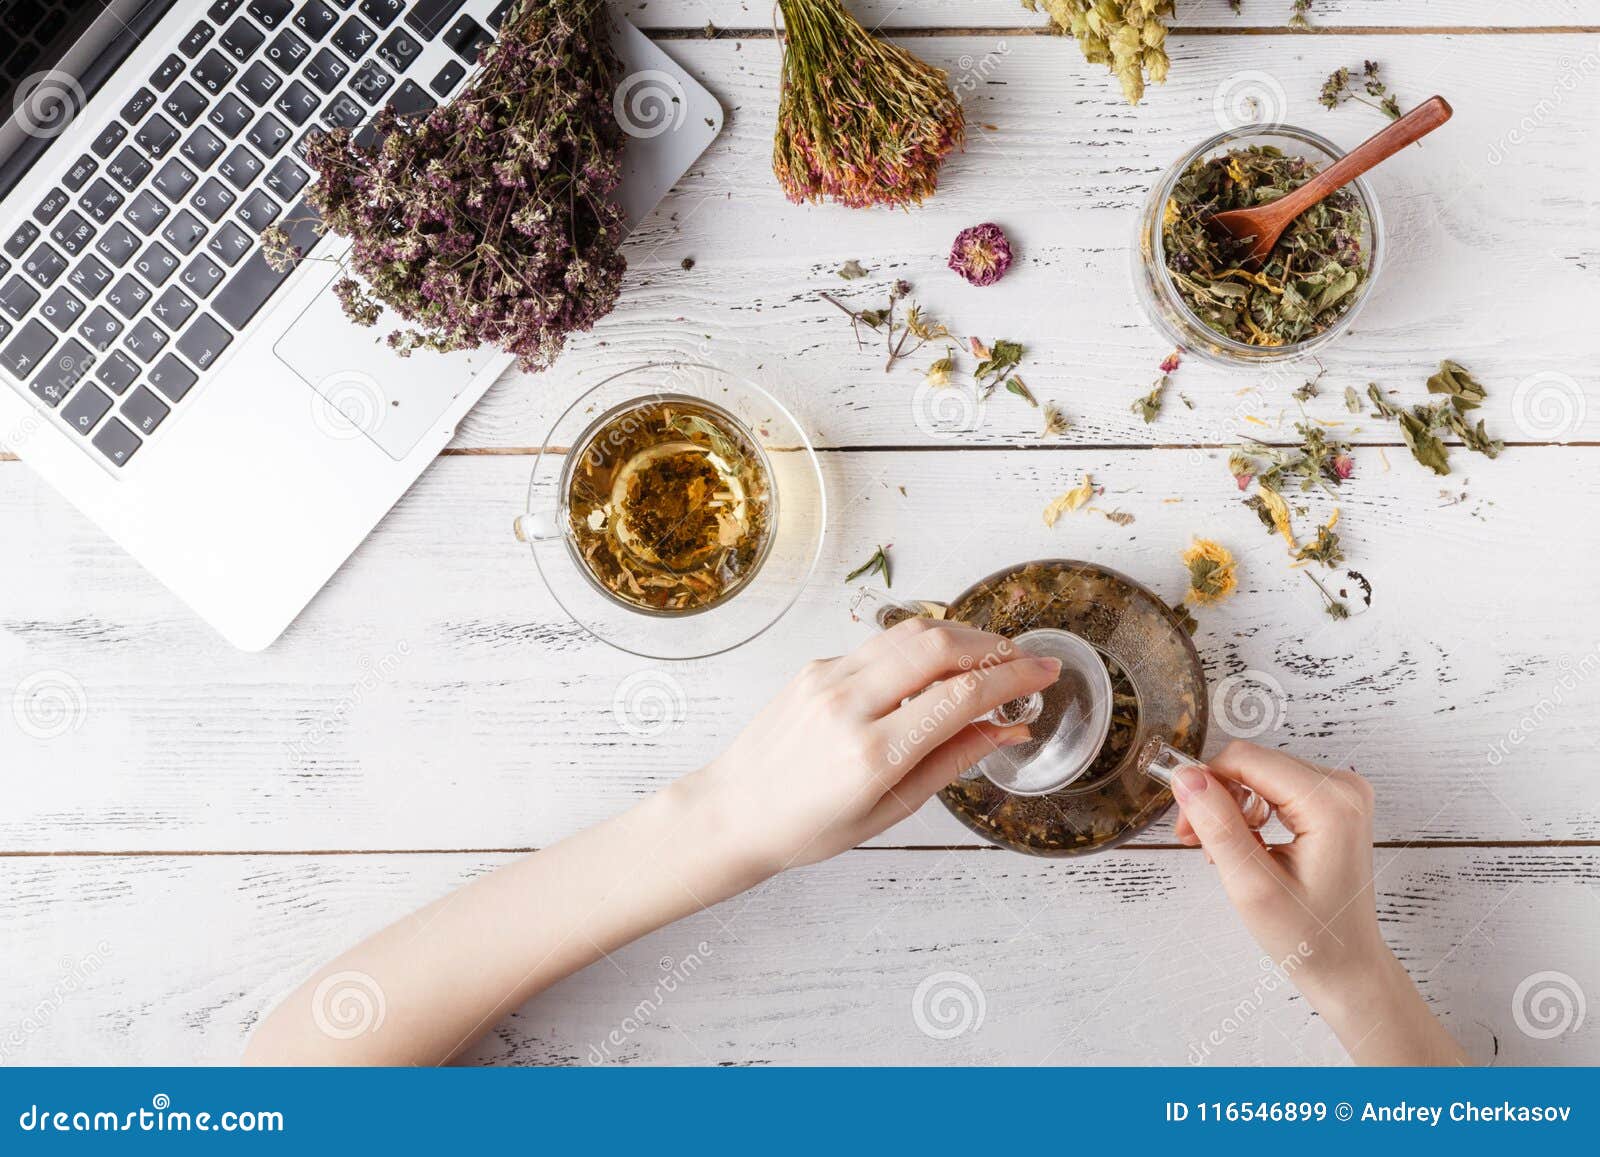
1309,280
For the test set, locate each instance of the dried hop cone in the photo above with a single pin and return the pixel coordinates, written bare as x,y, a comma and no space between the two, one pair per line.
860,121
1127,35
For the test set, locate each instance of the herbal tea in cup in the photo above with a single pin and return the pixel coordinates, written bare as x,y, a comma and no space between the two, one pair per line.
669,505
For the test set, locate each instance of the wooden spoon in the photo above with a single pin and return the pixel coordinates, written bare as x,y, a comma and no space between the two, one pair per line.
1266,223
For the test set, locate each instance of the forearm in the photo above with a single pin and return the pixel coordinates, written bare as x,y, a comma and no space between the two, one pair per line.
1383,1020
450,972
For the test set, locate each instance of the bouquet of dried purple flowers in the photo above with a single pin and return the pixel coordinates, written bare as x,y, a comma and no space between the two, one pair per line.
860,121
488,220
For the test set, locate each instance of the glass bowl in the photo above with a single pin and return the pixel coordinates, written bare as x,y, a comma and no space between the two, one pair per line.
1159,296
798,514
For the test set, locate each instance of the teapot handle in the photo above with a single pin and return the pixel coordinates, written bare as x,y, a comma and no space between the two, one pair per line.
539,526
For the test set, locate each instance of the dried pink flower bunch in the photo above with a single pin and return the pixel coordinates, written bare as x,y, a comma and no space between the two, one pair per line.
981,254
489,220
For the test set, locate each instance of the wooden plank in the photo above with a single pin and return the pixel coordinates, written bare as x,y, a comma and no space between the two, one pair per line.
1488,263
433,696
1128,958
1209,14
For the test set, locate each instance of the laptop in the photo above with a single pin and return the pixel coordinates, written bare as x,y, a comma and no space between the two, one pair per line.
222,421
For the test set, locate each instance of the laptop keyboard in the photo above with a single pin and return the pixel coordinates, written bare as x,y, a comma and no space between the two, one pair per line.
135,273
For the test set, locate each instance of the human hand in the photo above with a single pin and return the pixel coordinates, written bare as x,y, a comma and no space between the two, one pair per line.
837,757
1310,903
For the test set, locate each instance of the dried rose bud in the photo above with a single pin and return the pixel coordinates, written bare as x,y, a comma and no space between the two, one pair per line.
939,373
1343,466
981,254
1170,363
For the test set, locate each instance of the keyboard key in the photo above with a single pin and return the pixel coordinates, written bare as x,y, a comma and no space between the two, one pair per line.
145,411
61,309
72,233
184,231
89,276
287,51
203,342
229,243
172,378
297,102
128,169
315,19
110,137
203,147
146,212
116,442
259,83
82,169
62,370
173,308
258,210
429,17
17,244
100,201
156,135
25,351
170,70
409,99
240,167
185,104
268,135
140,103
326,70
145,340
50,208
17,297
498,17
213,72
117,245
198,37
100,329
381,12
220,10
174,180
213,200
202,276
354,38
343,113
287,178
230,115
242,39
271,13
467,38
117,372
449,76
398,49
254,281
44,265
128,296
156,264
87,407
371,82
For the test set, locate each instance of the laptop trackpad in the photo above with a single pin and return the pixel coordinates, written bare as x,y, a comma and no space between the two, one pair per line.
367,389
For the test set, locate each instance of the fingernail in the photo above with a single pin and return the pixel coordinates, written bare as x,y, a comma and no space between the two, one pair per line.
1051,667
1188,782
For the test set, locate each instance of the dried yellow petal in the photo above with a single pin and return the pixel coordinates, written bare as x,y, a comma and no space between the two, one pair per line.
1071,500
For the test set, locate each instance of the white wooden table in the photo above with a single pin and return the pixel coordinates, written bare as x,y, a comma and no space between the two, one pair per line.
208,825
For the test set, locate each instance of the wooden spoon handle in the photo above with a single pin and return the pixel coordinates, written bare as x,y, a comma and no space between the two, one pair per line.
1417,123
